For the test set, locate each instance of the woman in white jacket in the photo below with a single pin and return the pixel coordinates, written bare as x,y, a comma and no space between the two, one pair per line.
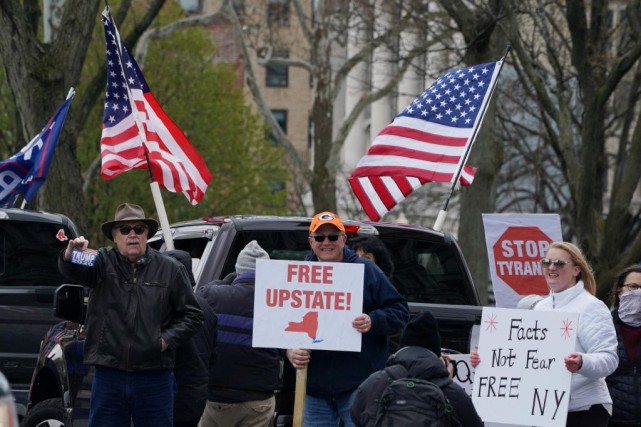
572,289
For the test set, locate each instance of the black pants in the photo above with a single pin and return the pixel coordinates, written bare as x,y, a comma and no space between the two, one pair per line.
596,416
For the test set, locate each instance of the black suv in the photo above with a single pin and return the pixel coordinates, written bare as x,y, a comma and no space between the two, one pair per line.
29,244
429,270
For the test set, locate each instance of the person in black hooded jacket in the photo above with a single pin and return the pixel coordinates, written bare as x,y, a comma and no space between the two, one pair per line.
420,355
420,363
193,359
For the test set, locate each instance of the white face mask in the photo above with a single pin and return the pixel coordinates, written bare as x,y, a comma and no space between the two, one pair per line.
630,308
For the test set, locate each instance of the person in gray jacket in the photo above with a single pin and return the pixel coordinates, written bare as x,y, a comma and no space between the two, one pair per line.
141,309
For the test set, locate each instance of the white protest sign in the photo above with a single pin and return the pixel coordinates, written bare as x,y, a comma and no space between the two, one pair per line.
515,245
464,371
465,378
310,305
522,369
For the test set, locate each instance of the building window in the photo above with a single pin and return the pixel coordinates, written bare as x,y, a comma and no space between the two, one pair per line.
277,75
278,13
281,118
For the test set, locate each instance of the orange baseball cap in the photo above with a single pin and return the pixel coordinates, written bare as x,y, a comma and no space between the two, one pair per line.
326,218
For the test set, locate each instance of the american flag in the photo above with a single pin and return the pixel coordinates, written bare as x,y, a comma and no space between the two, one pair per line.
427,142
131,109
25,172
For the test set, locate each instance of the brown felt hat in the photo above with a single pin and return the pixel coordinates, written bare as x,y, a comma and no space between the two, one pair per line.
128,212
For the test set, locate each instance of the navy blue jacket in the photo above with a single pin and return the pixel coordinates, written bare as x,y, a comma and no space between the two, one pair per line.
336,372
241,373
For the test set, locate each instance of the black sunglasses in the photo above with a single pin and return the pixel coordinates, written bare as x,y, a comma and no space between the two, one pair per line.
126,229
558,263
330,237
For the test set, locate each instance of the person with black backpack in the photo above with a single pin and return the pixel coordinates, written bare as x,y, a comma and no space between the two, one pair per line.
415,388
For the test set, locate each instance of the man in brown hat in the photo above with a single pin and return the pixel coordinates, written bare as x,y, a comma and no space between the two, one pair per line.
141,309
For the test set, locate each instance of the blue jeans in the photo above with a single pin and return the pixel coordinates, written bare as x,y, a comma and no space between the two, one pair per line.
326,412
120,397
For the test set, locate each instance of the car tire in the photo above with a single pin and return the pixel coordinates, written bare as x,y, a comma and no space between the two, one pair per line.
48,413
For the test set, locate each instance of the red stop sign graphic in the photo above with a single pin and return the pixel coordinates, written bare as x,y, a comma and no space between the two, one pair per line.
517,256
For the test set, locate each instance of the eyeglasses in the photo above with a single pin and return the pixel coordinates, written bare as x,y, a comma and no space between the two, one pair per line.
126,229
330,237
632,286
558,263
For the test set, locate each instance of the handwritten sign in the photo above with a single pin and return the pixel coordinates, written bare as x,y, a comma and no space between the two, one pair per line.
309,305
464,372
522,369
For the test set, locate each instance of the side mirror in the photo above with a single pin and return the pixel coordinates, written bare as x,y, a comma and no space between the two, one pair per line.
69,303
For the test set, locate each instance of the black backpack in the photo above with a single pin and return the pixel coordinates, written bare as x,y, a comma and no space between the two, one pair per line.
414,402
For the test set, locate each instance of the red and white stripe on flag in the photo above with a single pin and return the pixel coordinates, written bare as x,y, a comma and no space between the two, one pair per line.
175,163
426,142
379,194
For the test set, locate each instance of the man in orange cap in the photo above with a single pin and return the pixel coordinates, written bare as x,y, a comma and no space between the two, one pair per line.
334,376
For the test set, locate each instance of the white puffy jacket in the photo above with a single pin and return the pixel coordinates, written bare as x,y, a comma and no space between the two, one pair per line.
596,341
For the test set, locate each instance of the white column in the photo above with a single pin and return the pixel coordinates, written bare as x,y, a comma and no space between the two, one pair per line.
339,56
383,68
356,85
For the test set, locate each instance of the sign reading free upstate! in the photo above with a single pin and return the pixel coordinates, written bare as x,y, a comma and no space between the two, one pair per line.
300,304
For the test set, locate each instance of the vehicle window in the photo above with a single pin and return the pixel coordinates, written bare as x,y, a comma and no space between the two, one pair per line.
195,246
426,272
29,253
284,245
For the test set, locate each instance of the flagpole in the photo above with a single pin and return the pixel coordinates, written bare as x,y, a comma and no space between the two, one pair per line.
442,215
153,185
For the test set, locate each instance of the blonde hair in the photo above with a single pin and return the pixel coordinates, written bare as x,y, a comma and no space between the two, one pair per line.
579,260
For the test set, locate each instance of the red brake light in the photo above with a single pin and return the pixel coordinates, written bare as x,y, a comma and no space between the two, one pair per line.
351,229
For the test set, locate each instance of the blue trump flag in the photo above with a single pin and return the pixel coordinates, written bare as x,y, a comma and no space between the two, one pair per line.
24,172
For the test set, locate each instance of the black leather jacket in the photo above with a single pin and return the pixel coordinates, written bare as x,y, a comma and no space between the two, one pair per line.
130,309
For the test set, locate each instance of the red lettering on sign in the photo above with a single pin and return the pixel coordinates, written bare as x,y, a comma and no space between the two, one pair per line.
517,256
304,273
